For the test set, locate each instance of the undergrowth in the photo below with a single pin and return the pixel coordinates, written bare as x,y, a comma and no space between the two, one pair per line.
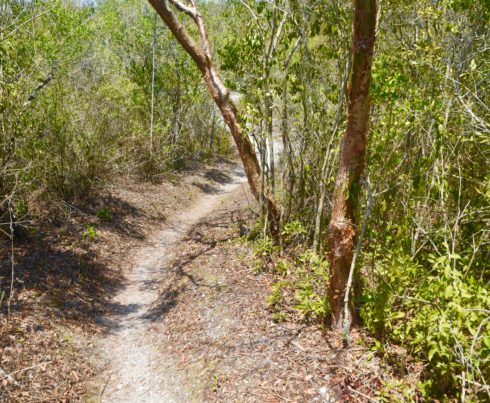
299,289
440,316
429,322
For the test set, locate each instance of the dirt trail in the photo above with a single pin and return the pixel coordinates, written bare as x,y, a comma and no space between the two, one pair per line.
136,371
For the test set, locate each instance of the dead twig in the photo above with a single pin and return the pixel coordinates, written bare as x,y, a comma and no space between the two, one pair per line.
25,369
105,385
370,399
295,334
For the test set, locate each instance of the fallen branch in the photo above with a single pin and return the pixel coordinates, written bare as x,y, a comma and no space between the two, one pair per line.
105,385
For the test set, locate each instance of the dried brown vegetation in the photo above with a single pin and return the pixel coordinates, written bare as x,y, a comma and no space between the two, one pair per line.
65,277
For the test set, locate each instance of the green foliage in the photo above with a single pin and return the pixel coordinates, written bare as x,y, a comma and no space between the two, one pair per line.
21,209
75,108
312,275
439,315
275,297
104,214
263,251
294,231
90,232
301,286
397,391
424,267
75,99
426,283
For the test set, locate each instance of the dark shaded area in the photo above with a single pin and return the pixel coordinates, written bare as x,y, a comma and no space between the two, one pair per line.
60,265
207,188
119,210
73,285
218,176
214,176
64,282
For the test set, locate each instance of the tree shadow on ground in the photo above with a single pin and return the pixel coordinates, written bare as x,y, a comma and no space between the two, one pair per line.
182,279
214,178
207,188
218,176
61,268
71,285
113,214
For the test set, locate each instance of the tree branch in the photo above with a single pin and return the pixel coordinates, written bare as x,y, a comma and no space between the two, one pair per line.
190,11
179,31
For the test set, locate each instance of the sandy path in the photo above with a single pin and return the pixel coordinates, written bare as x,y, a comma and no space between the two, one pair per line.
137,372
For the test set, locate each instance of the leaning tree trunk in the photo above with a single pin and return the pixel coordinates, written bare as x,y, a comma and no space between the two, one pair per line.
202,56
342,228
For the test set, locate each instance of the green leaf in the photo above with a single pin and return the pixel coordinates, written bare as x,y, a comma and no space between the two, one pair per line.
396,315
432,351
449,292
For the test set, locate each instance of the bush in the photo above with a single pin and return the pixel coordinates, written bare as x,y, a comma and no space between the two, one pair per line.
440,315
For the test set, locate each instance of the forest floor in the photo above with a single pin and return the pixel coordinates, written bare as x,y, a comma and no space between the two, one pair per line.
149,294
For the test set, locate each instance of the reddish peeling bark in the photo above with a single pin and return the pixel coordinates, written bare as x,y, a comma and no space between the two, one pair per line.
342,228
202,56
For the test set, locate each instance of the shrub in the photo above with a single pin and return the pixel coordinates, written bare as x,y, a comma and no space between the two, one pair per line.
440,315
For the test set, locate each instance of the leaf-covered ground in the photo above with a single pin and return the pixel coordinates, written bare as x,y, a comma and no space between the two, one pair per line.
65,274
215,324
211,323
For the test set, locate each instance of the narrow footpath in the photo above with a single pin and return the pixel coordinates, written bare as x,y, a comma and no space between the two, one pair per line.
135,370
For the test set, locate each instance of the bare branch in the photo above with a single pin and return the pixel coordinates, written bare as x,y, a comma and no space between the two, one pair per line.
179,31
253,14
27,22
190,11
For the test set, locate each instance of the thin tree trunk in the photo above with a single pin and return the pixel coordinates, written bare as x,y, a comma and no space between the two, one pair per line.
270,143
304,141
211,140
288,172
342,228
153,66
202,56
325,173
